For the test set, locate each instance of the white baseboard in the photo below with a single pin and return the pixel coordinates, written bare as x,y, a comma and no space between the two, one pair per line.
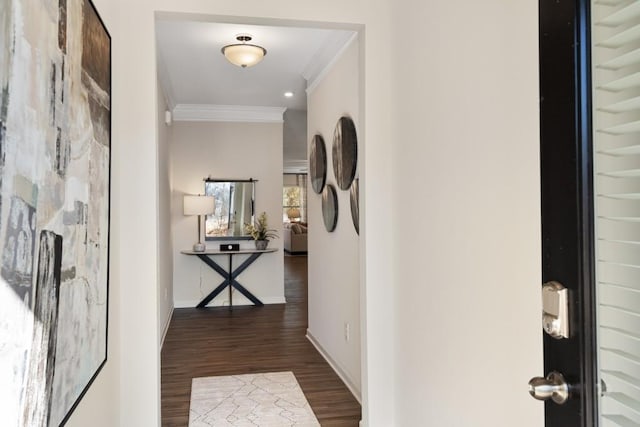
237,302
166,327
343,376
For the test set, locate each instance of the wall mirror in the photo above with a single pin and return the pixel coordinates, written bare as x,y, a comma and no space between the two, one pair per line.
345,152
354,196
317,163
330,207
234,206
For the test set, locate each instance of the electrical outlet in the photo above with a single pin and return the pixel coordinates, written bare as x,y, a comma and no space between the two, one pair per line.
347,331
166,294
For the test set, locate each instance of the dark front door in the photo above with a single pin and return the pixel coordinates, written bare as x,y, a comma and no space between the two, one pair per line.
590,182
567,213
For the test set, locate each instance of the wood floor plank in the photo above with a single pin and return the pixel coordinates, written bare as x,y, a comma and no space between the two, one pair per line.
216,341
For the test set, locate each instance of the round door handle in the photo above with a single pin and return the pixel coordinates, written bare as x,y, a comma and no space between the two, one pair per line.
552,387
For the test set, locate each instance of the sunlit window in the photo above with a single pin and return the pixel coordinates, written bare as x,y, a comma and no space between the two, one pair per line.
294,199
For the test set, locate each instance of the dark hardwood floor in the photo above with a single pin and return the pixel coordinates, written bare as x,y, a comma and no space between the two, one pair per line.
215,341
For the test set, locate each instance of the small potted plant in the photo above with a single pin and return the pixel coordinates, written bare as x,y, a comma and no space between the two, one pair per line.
260,232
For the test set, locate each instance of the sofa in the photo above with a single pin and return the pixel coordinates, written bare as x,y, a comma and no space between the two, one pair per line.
295,237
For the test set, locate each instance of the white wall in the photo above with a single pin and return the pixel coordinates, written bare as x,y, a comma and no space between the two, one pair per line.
334,259
467,239
453,110
295,135
165,238
230,151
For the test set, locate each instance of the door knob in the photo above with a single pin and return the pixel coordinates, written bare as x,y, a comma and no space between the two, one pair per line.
553,387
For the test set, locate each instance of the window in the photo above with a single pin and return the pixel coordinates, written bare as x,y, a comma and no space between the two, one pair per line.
294,200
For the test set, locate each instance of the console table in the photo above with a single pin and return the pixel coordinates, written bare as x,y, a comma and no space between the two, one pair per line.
230,274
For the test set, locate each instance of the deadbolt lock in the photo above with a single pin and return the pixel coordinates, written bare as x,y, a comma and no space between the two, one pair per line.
555,310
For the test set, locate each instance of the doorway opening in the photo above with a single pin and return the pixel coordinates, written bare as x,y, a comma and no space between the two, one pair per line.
228,128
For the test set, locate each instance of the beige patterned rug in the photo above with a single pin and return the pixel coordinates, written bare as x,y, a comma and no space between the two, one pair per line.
266,400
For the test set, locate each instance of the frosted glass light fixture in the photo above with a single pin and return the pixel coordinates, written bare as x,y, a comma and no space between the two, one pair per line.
198,205
243,54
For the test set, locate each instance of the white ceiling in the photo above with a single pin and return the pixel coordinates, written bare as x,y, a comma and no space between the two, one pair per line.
192,69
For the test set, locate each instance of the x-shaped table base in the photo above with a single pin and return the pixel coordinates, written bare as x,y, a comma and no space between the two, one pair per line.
229,279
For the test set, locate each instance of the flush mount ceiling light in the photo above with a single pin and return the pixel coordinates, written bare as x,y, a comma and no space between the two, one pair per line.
242,54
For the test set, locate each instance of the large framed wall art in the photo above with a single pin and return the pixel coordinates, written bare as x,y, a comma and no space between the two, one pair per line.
55,155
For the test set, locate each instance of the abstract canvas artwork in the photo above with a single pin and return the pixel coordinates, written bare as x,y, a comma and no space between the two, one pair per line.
55,138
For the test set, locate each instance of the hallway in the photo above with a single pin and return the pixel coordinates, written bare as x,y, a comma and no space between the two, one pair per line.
215,341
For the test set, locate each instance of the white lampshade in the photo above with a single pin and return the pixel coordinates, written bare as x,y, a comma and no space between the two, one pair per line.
198,205
243,54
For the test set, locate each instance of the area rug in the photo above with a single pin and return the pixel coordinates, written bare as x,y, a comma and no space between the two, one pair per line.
273,399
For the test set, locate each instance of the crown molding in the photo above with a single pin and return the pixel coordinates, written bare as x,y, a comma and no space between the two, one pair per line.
324,61
227,113
295,166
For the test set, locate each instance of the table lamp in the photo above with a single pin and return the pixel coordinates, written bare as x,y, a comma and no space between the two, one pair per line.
293,214
198,205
